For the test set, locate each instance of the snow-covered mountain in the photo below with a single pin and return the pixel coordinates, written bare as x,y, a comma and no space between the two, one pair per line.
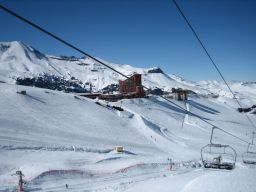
58,138
20,60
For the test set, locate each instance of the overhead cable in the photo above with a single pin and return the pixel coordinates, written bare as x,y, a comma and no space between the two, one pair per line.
210,57
58,38
106,65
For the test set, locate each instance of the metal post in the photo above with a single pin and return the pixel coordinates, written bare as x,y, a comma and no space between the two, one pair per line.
182,125
212,134
253,133
248,147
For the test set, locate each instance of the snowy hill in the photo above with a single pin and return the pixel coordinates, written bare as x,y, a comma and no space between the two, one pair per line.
20,60
58,138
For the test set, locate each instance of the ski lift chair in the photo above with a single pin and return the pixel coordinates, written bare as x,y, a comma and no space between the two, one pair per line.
218,156
249,157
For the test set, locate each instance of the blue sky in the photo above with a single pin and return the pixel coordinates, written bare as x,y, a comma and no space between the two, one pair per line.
144,33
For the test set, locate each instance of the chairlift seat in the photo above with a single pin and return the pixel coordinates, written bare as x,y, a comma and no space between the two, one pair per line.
224,165
249,162
212,156
217,145
249,157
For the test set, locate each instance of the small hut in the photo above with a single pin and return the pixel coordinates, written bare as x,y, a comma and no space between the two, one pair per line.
119,149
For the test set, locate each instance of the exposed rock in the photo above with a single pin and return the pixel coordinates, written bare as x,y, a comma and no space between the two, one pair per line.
110,88
155,70
53,82
158,91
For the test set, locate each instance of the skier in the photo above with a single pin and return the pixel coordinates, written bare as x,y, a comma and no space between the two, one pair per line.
66,186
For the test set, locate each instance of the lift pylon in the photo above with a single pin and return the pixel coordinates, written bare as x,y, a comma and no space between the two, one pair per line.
21,182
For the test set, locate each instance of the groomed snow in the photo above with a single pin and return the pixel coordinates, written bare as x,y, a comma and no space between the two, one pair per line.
55,138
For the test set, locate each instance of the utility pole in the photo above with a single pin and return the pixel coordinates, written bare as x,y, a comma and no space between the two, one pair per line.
21,182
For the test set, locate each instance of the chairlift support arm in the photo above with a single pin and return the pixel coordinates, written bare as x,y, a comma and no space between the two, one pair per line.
214,127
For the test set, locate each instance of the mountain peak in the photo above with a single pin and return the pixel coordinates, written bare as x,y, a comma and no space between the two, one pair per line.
155,70
19,48
4,46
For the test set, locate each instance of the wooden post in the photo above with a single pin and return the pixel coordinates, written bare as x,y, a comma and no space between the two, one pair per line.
170,164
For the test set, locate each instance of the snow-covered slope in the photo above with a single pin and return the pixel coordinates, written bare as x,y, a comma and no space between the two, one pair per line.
45,131
57,138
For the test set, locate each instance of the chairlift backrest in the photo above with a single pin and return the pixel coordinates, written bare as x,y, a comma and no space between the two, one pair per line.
218,156
249,157
251,148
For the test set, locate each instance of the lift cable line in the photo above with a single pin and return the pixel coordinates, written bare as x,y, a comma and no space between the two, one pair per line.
210,57
228,133
59,39
111,68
